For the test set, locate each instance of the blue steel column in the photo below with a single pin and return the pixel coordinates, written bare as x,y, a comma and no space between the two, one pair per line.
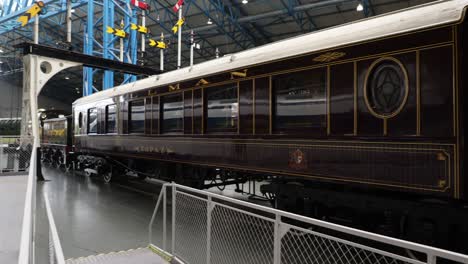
113,12
88,49
108,44
131,43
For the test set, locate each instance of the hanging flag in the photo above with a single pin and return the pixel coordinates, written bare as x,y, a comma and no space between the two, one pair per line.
178,5
157,44
140,4
117,32
141,29
179,23
32,12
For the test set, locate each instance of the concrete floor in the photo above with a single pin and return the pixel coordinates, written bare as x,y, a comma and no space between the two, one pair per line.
93,217
12,197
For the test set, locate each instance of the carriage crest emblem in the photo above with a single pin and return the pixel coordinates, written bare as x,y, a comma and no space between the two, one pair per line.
297,160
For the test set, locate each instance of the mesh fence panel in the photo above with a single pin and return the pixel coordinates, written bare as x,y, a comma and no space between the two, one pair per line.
212,229
15,154
191,222
237,237
303,246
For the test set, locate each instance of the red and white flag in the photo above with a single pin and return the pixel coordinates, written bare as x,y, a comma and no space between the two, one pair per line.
178,5
140,4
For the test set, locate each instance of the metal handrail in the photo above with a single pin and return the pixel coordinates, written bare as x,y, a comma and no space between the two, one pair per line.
57,247
431,252
26,253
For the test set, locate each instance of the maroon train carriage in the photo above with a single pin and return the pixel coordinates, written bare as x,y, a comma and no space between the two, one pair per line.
56,142
360,124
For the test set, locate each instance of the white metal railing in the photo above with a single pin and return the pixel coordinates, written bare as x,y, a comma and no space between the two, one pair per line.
55,248
210,228
26,253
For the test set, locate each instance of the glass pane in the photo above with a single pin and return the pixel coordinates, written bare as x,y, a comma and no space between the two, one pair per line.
137,116
92,120
173,113
222,107
300,100
111,116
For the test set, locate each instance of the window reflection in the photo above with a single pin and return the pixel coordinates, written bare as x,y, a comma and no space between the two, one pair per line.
173,113
137,116
222,108
300,100
111,116
92,120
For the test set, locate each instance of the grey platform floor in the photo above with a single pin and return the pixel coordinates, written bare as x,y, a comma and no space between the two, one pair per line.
92,217
12,197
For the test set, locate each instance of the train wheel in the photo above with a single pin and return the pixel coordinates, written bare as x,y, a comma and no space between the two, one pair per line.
108,175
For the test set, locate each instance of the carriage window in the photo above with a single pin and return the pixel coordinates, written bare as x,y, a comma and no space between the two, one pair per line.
80,120
300,100
172,113
222,108
111,119
136,120
92,120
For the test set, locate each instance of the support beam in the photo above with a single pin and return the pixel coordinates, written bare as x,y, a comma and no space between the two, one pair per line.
86,60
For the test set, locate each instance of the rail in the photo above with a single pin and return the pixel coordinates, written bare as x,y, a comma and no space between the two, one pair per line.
210,228
55,248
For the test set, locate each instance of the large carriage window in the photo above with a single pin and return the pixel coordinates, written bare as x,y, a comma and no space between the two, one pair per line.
136,110
222,108
172,113
300,100
92,120
111,117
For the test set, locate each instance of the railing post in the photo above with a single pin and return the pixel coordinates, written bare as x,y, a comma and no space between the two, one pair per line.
277,240
174,189
431,259
209,209
164,217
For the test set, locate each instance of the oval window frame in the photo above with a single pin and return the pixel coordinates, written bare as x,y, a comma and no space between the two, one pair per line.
406,86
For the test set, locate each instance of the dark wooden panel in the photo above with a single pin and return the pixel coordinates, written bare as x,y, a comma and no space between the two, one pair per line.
246,107
197,111
461,87
155,115
188,112
404,124
148,110
367,123
437,92
342,99
262,105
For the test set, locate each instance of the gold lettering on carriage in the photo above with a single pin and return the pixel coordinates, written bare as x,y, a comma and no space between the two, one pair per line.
153,149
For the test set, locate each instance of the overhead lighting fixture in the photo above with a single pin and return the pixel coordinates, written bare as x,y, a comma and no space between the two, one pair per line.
209,22
245,2
67,78
1,51
360,7
1,62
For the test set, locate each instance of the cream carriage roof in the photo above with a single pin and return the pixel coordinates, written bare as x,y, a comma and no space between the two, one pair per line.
406,20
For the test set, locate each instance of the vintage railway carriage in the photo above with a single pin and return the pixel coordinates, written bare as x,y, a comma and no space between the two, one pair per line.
56,141
360,124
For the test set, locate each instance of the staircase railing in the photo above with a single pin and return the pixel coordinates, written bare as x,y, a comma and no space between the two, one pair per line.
210,228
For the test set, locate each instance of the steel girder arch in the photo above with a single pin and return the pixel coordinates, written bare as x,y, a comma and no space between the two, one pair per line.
16,8
165,18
